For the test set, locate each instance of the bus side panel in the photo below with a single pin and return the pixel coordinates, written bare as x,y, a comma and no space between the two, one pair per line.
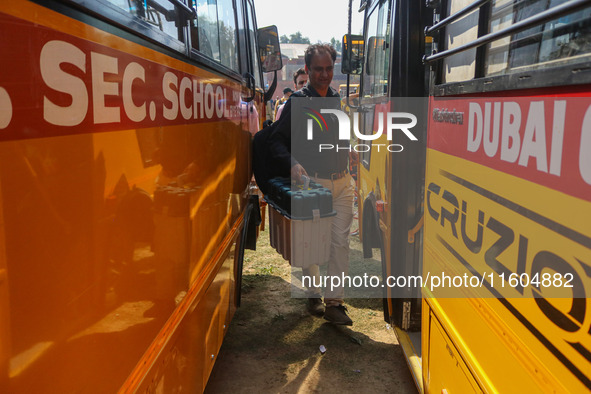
110,228
490,217
187,359
4,308
443,352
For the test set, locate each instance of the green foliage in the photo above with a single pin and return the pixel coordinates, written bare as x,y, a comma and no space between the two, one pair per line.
336,44
295,38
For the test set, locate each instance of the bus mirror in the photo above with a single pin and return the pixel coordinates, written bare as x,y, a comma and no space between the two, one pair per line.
352,62
269,51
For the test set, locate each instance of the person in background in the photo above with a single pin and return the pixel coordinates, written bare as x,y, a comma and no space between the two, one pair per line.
269,110
286,93
328,169
300,79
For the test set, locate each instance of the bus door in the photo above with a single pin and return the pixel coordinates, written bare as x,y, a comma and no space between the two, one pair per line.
406,76
390,185
391,171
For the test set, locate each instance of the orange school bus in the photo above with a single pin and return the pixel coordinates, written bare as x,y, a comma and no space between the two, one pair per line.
490,210
124,189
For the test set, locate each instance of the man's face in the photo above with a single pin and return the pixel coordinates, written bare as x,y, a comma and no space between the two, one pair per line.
301,81
320,71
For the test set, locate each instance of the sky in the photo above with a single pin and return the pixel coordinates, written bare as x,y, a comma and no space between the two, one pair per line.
319,20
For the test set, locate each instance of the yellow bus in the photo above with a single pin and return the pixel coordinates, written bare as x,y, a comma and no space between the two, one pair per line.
490,210
353,87
125,131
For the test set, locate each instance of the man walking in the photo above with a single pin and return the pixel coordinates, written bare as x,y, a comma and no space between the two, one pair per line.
326,168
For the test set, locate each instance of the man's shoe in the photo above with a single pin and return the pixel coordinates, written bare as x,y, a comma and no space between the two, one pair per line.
315,306
338,315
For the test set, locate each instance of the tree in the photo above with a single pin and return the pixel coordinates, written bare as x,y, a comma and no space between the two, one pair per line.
336,44
284,39
297,38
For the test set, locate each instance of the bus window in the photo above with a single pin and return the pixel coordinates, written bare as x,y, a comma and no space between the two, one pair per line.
252,34
353,88
461,66
227,27
214,32
135,7
159,13
564,40
207,29
368,77
377,36
160,20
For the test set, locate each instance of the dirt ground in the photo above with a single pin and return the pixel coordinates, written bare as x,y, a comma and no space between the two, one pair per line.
273,344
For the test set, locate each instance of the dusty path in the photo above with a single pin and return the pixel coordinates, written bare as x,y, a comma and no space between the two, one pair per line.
272,345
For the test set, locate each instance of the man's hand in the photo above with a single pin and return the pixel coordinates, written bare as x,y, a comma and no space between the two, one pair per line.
297,171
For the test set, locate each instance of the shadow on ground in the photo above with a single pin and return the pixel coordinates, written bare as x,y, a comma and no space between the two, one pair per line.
273,346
